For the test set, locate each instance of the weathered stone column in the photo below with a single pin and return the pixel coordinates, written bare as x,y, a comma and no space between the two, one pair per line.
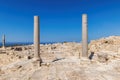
84,36
3,41
36,38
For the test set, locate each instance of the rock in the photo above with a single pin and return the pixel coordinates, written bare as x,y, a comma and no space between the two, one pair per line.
102,57
18,49
30,57
61,61
12,48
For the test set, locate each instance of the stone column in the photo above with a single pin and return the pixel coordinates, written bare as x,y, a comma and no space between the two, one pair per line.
84,36
36,38
3,41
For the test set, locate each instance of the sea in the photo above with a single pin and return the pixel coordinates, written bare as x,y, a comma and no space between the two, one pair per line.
7,44
22,43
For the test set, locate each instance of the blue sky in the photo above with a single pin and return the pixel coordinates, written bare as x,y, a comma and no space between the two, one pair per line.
60,20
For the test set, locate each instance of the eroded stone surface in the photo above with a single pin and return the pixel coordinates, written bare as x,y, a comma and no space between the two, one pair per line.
63,61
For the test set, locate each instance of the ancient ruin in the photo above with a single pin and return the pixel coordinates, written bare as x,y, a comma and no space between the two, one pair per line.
60,61
37,39
84,36
3,41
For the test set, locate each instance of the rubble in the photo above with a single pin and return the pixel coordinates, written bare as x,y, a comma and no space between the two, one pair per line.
63,61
